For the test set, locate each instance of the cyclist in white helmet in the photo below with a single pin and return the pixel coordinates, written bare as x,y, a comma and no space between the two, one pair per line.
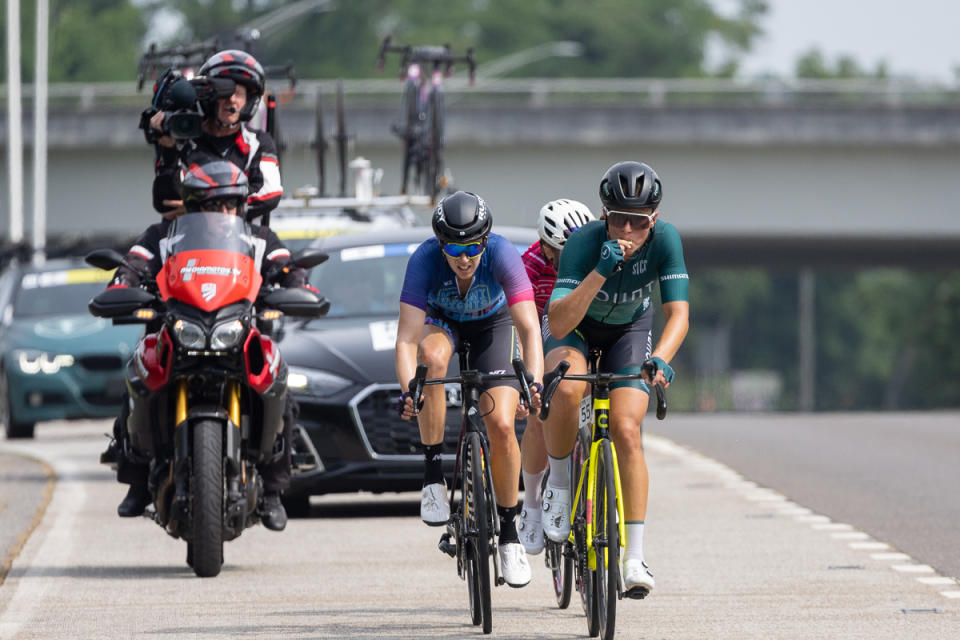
558,219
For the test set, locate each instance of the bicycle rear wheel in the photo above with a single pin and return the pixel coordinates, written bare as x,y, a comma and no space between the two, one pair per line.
606,541
433,160
477,532
410,116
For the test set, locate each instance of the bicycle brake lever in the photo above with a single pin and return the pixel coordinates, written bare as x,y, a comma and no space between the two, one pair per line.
551,380
416,387
525,378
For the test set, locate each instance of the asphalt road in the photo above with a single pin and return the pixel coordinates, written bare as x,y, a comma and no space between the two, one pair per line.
896,475
732,560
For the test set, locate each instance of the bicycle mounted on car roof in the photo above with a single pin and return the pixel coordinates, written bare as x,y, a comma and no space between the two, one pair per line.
422,117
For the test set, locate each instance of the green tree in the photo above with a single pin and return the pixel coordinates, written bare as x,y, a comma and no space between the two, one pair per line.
649,38
90,40
813,64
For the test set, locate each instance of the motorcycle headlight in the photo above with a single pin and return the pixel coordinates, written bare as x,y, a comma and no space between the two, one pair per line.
316,382
189,335
226,335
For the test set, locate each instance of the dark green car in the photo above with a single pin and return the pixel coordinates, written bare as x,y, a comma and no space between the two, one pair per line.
56,360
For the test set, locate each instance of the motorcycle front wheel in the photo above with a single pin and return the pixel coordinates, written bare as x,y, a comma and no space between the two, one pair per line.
206,484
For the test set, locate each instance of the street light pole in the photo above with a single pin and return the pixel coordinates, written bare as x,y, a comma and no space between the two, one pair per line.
40,135
14,122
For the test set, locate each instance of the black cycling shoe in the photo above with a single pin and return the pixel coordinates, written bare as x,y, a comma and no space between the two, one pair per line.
112,453
136,500
272,514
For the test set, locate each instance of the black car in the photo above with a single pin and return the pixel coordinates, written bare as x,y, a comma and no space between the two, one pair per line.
342,369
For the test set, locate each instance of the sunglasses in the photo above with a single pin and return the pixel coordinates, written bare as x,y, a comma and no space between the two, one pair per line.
637,220
470,249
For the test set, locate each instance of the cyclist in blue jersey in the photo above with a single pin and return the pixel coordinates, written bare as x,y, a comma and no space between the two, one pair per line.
607,273
469,284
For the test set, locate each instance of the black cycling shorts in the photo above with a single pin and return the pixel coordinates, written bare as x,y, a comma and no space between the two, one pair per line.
624,347
493,342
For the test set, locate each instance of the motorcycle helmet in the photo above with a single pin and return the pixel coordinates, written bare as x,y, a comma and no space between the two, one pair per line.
207,183
242,68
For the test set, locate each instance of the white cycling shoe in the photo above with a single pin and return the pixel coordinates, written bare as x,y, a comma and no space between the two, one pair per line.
637,579
434,508
513,565
555,514
531,531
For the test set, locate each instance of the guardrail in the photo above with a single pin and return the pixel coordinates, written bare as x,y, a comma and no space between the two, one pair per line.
543,92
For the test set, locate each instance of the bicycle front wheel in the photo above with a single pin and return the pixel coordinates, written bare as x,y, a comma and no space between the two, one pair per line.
477,532
606,541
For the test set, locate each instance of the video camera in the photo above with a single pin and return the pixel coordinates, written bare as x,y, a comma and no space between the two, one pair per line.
185,103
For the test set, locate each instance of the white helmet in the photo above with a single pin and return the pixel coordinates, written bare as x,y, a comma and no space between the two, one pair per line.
559,218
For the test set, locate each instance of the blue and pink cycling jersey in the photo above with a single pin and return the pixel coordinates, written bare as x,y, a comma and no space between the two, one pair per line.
499,280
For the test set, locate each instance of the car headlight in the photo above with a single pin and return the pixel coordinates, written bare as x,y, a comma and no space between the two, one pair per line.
226,335
189,335
316,382
31,362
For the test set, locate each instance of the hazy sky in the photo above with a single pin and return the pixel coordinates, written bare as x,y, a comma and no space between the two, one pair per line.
915,37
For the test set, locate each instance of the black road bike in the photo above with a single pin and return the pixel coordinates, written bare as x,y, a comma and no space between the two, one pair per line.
474,528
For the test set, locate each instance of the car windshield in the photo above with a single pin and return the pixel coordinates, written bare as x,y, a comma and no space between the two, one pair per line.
63,292
363,280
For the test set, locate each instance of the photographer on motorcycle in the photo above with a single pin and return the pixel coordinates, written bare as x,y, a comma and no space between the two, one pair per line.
225,135
210,185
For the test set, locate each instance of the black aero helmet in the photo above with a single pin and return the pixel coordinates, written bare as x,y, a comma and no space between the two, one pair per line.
206,183
242,68
461,217
630,185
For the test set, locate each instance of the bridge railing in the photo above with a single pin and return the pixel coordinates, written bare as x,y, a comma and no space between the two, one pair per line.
544,92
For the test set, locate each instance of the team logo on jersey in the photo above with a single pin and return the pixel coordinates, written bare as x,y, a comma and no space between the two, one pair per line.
640,267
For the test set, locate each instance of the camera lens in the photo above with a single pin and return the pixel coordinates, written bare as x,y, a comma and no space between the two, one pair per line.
184,124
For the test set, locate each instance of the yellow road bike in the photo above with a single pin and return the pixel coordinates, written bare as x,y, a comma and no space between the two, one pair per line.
590,559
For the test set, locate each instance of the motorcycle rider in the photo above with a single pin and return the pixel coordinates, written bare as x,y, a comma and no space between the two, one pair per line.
225,135
210,184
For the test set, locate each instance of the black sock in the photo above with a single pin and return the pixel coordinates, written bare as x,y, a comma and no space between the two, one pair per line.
508,526
433,463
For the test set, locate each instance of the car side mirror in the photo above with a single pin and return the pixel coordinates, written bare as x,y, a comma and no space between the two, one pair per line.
297,302
119,301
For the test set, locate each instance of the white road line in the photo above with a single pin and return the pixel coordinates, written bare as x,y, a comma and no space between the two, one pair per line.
912,568
866,546
937,580
832,526
950,594
850,535
812,518
890,556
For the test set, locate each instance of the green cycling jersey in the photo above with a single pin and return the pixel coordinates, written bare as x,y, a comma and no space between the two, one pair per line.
625,296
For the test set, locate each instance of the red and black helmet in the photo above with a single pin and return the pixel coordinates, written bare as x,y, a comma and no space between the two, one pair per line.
207,183
242,68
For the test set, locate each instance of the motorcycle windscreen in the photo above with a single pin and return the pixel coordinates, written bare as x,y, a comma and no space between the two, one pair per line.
210,260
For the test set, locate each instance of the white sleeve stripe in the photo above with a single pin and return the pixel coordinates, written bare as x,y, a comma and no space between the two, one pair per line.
278,253
141,251
271,181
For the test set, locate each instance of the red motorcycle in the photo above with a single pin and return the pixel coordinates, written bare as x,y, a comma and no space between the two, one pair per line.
207,384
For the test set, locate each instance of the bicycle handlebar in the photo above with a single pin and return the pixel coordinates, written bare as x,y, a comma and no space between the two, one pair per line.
439,56
419,381
552,379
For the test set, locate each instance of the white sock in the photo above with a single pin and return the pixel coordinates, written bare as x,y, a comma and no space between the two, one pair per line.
559,472
634,531
532,484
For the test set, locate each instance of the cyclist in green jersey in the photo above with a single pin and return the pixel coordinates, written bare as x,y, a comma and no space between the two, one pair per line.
608,270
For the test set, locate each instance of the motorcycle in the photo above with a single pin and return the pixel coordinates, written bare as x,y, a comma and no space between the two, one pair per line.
206,383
